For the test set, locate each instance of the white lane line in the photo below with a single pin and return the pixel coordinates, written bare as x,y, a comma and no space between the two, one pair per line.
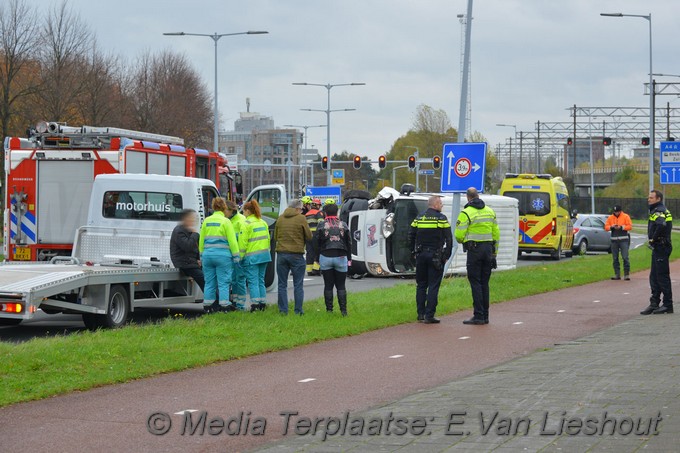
596,301
625,294
561,311
464,338
398,356
185,411
309,379
517,323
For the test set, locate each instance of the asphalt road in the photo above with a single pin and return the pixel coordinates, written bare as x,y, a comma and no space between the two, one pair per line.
44,325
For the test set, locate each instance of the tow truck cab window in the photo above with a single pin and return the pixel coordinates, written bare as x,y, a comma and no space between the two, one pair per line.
270,202
532,203
209,194
142,205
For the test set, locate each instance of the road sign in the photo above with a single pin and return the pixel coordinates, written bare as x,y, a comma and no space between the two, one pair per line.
670,174
427,172
232,161
463,166
670,153
338,177
324,193
267,165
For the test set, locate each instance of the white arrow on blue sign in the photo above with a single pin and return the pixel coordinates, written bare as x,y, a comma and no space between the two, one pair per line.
464,167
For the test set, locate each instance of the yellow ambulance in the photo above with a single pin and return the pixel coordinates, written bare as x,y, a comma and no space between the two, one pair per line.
545,224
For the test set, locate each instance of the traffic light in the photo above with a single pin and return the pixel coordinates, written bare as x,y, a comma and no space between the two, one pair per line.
324,163
570,141
645,141
382,161
606,141
436,162
412,161
356,162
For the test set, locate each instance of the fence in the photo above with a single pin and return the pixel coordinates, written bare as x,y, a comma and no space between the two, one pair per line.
635,207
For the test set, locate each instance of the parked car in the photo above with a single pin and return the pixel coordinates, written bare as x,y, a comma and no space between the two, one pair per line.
589,233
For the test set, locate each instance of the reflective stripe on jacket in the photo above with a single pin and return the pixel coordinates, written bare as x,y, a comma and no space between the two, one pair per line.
217,233
622,220
313,216
477,225
254,241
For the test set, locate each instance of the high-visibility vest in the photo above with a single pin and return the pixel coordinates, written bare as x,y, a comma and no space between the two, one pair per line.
217,233
238,221
254,241
477,225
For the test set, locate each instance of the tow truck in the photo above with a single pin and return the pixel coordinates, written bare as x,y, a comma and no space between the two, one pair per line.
120,260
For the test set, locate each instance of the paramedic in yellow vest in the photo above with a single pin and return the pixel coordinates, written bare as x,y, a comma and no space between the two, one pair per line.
255,254
313,216
219,253
478,231
238,279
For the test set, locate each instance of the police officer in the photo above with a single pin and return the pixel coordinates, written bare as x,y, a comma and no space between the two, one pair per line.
313,216
659,229
431,243
477,230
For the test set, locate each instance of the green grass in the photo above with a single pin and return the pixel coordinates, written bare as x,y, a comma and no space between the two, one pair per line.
44,367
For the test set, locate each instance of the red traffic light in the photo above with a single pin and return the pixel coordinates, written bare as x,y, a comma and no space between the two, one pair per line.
411,161
645,141
324,163
382,161
606,141
357,162
570,141
436,162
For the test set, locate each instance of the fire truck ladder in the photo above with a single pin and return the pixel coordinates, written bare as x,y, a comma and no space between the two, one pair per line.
55,135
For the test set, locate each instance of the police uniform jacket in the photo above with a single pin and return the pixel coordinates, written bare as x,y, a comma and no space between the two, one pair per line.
431,230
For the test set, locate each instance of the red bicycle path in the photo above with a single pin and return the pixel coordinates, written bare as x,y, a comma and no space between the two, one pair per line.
323,379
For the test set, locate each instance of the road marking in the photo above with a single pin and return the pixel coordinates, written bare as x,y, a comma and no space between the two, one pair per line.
595,301
561,311
309,379
464,338
517,323
185,411
398,356
625,294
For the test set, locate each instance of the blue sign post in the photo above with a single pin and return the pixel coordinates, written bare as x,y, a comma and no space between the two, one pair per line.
463,166
669,170
324,192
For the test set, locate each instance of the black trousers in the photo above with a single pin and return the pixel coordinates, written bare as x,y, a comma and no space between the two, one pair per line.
197,274
479,261
660,276
428,279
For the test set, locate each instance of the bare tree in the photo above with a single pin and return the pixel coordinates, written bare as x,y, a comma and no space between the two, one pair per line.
100,101
65,42
18,41
428,119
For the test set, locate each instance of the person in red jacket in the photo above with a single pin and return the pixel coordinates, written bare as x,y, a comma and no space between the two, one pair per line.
619,225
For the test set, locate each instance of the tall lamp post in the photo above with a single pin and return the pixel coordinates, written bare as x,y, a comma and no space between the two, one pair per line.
652,140
514,126
216,37
305,140
328,112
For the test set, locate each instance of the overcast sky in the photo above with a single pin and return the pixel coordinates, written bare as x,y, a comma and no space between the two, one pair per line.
531,59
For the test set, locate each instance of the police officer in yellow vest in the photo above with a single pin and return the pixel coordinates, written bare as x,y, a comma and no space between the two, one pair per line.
478,231
238,278
431,241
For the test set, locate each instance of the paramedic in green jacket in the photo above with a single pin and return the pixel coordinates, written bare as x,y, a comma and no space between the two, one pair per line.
478,231
219,253
238,279
255,254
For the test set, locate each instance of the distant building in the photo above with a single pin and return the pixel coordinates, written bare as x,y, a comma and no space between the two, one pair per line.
256,140
642,154
582,154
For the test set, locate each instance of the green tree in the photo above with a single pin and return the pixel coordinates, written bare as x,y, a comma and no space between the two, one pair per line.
356,179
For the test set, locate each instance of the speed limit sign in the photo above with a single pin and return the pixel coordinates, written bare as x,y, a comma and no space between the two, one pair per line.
462,167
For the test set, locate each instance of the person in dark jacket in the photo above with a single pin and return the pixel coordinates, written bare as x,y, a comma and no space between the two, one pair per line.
659,228
335,254
184,247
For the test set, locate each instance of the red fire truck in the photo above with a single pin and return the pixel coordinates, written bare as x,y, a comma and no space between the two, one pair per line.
49,176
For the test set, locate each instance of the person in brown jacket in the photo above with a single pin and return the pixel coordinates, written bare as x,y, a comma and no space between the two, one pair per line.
291,234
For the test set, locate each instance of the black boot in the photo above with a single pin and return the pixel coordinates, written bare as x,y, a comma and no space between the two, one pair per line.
328,298
650,308
664,309
342,301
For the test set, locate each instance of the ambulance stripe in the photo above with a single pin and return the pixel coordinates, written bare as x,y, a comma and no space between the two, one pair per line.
543,233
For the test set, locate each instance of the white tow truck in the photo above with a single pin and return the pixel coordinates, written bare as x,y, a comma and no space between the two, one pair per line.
121,257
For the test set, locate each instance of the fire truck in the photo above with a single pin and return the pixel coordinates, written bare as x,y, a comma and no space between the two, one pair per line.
49,177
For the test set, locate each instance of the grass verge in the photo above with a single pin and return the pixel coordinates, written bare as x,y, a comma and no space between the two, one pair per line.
45,367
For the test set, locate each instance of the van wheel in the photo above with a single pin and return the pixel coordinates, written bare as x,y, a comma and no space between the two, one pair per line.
118,308
557,254
91,321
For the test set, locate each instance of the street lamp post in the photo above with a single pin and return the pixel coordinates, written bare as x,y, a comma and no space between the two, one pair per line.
652,141
216,37
417,169
328,112
299,154
394,174
514,126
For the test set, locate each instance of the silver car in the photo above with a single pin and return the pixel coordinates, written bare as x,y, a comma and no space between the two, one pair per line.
589,233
